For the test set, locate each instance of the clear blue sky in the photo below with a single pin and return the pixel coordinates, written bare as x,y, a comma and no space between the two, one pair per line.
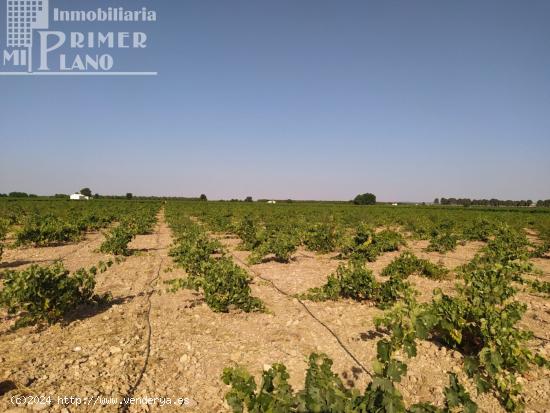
308,99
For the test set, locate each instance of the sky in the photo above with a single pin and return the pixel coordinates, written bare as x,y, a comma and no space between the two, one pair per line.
309,99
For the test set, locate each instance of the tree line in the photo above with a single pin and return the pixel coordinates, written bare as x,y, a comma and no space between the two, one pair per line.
491,202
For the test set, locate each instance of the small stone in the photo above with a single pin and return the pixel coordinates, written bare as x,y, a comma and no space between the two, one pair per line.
114,350
77,348
38,407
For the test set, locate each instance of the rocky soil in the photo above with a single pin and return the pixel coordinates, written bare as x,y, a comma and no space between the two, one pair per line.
149,343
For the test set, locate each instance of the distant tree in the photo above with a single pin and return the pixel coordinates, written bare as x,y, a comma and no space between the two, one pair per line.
203,197
436,201
129,195
365,199
493,202
16,194
61,196
248,199
97,196
3,195
86,192
33,196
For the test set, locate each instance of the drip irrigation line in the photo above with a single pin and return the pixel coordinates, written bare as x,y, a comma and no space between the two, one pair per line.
332,333
124,406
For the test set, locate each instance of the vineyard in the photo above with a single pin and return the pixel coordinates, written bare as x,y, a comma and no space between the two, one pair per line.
293,307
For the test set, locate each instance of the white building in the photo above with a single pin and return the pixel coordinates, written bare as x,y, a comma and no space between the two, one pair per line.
271,202
78,197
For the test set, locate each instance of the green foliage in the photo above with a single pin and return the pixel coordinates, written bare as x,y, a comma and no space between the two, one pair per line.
248,231
279,243
117,240
365,199
220,223
381,393
322,237
54,221
17,194
324,392
442,238
481,323
541,287
355,281
456,396
275,394
407,321
45,293
457,399
419,228
442,242
224,284
193,252
4,226
540,250
407,264
508,248
86,192
392,290
227,285
46,230
481,229
369,244
141,223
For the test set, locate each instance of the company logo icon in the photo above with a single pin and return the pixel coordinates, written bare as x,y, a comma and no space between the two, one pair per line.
23,16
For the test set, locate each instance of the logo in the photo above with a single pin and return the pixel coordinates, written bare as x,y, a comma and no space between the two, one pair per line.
41,41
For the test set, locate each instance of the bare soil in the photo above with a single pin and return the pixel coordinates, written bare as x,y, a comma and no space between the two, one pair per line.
104,351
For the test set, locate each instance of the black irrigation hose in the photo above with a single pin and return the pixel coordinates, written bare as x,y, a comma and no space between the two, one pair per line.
125,405
338,340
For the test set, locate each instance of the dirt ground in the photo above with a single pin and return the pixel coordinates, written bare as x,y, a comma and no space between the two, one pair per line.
108,352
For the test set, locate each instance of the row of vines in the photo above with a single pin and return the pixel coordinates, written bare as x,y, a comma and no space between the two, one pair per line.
480,320
48,293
